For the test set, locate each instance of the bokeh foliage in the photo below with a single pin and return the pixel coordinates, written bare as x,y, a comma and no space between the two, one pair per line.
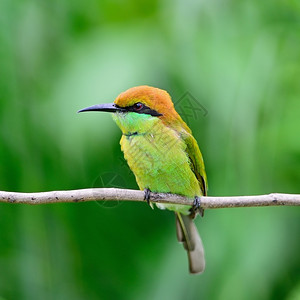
239,59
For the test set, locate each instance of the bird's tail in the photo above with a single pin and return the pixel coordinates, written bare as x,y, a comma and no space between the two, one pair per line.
188,235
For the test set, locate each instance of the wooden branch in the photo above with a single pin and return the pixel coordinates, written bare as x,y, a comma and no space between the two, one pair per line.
112,194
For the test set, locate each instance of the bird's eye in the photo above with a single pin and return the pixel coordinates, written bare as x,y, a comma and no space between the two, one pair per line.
138,106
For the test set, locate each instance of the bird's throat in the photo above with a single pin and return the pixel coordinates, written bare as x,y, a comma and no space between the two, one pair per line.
133,124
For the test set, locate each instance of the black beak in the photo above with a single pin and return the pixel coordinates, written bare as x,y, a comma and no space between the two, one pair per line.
108,107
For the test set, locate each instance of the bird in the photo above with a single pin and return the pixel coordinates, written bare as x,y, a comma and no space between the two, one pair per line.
164,156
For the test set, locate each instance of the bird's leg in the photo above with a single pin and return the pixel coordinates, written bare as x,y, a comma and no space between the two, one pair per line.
147,195
196,207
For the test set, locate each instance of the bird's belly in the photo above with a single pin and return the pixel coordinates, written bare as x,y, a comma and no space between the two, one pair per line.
161,165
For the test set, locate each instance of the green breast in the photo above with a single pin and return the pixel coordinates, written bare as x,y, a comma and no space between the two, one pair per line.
156,155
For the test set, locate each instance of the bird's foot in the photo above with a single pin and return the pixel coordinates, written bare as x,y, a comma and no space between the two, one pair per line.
196,208
147,195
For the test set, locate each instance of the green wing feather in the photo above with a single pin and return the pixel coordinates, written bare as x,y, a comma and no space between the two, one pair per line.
196,159
186,230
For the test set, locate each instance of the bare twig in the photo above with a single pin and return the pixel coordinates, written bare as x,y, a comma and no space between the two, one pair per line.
112,194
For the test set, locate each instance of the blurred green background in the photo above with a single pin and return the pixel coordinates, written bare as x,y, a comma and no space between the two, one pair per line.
240,60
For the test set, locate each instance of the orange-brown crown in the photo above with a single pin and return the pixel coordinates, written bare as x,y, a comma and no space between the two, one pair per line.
154,98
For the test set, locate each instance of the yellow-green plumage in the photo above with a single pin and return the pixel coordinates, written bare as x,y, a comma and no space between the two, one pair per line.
158,156
163,155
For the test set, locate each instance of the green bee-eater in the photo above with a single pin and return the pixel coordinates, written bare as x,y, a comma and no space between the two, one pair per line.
163,155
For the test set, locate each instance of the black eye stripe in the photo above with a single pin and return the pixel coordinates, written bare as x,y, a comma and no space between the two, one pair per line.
143,110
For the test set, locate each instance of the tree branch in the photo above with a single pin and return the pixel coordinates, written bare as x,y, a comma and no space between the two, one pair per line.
112,194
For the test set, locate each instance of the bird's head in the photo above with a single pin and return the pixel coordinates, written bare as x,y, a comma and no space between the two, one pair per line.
140,107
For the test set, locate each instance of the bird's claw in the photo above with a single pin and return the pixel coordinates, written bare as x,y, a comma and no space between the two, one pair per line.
147,195
197,207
